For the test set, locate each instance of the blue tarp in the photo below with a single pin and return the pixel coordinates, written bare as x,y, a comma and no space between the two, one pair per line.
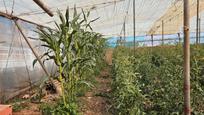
171,39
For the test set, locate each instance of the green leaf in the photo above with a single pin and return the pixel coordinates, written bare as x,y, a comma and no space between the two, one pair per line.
67,17
34,62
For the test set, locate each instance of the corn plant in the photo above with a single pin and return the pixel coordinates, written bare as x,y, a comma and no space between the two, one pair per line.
74,48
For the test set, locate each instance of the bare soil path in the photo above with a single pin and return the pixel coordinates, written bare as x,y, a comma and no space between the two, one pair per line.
96,101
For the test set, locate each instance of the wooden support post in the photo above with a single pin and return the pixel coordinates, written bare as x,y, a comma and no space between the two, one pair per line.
44,7
187,103
152,38
27,41
162,32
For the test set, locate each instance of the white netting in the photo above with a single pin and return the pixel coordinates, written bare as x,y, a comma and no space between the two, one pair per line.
16,59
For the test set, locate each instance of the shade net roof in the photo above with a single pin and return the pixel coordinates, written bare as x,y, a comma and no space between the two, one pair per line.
112,13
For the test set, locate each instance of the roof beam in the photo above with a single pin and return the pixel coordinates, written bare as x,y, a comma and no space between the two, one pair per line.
12,17
44,7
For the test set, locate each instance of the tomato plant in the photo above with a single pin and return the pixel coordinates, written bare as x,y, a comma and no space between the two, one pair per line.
158,73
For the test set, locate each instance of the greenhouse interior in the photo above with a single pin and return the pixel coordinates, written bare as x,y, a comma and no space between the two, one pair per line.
101,57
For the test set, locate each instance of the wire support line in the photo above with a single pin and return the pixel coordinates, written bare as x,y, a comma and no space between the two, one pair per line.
12,9
126,13
24,55
5,6
10,47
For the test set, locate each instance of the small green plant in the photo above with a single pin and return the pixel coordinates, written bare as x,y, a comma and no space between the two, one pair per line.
18,104
59,108
17,107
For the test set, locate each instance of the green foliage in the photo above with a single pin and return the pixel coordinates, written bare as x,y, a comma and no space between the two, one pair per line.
18,104
18,107
159,75
58,108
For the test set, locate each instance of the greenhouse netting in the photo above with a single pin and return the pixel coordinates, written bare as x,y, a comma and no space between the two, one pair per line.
112,14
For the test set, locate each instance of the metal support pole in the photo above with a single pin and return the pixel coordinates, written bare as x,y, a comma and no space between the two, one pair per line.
27,41
162,32
187,105
199,30
120,41
152,38
179,37
134,34
197,22
11,17
124,30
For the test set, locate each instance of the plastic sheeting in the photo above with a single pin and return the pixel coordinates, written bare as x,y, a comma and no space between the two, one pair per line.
16,59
